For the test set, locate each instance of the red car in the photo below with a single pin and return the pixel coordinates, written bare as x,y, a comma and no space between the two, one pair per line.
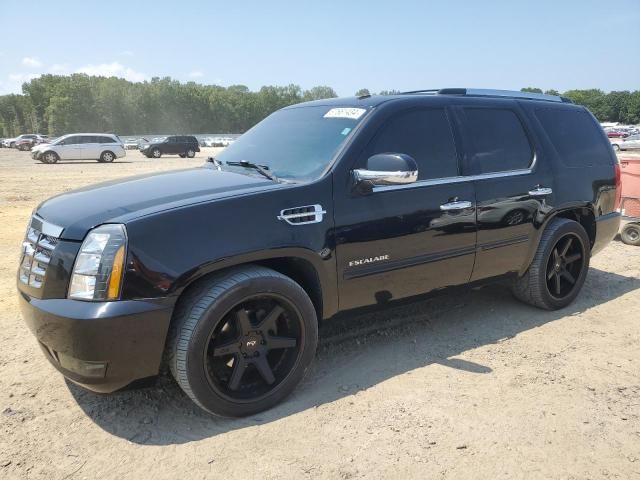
26,142
617,134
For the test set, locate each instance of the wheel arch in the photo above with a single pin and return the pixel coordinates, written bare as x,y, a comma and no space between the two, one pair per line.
304,267
583,214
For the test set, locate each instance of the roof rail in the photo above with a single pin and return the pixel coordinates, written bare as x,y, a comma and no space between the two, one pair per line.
485,92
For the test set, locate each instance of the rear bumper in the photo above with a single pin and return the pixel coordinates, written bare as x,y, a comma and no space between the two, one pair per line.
607,227
103,346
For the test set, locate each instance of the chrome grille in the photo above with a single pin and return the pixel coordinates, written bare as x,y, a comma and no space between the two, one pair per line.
36,255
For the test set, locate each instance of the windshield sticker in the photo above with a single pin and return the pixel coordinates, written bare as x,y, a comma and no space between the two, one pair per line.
346,131
352,113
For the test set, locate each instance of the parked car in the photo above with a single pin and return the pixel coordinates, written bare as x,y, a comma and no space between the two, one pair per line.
8,143
134,143
103,147
183,145
225,270
26,142
617,134
632,142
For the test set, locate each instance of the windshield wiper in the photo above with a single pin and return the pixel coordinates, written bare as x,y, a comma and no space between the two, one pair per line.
263,169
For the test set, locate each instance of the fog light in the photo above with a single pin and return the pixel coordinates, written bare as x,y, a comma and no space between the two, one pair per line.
82,367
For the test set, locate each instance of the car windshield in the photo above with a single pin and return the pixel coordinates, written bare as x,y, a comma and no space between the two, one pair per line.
296,143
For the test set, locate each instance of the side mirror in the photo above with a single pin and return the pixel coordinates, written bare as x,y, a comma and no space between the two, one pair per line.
386,169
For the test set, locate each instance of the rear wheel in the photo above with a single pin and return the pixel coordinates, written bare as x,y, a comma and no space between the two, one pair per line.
50,157
107,157
191,153
559,268
631,234
242,340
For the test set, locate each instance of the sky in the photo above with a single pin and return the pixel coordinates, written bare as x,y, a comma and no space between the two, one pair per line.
348,45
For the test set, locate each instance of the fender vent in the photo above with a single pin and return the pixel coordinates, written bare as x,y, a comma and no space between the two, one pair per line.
302,215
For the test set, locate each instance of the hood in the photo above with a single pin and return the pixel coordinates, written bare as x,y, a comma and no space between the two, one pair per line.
123,200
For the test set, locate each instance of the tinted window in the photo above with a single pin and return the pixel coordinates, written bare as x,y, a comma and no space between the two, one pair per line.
105,140
498,140
72,140
172,140
575,136
426,136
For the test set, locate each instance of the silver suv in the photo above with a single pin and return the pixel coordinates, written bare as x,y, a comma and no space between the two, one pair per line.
103,147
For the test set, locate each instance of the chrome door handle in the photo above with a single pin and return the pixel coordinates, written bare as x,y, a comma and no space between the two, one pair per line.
540,192
457,205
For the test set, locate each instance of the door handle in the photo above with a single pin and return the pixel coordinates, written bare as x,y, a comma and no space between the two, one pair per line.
540,192
457,205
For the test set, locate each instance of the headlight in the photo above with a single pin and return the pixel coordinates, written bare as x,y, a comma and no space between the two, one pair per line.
99,267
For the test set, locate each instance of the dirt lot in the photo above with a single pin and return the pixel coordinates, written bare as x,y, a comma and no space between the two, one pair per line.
467,385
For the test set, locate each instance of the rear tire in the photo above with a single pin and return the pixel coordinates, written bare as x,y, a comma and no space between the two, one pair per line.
630,234
107,157
241,340
191,153
559,267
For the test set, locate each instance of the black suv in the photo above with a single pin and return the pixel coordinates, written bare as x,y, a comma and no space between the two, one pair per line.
183,145
224,271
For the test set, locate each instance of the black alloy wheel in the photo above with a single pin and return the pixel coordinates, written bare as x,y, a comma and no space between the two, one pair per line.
565,265
253,348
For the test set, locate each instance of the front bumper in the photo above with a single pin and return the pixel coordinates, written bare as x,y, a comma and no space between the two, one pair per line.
102,346
607,227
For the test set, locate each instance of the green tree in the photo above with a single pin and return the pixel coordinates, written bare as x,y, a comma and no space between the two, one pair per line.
531,90
362,92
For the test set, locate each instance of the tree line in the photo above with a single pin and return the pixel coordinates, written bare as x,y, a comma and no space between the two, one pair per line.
58,104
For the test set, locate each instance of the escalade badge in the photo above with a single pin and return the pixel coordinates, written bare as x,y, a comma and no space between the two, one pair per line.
365,261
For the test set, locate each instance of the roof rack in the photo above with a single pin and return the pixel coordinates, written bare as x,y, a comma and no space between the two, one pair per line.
485,92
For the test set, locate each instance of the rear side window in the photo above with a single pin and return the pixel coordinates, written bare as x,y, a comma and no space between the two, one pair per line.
575,136
498,140
426,136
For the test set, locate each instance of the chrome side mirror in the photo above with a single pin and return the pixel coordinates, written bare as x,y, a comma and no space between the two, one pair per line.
386,169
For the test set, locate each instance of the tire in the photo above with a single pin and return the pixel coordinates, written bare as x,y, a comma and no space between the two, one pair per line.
49,157
542,285
218,310
156,153
630,234
191,153
616,147
107,157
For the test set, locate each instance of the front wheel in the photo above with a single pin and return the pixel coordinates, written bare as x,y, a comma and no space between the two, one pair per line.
156,153
50,157
559,268
616,147
242,340
630,234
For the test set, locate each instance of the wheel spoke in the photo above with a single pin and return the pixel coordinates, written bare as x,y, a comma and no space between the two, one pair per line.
557,282
566,247
226,349
239,367
269,322
281,342
567,276
572,258
264,369
551,272
244,323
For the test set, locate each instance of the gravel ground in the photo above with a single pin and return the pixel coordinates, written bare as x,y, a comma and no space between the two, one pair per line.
471,384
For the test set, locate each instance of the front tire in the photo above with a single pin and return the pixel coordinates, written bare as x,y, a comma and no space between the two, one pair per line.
630,234
50,157
241,340
559,268
616,147
156,153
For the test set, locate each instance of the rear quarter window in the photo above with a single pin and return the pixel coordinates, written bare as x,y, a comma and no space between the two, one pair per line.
575,136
